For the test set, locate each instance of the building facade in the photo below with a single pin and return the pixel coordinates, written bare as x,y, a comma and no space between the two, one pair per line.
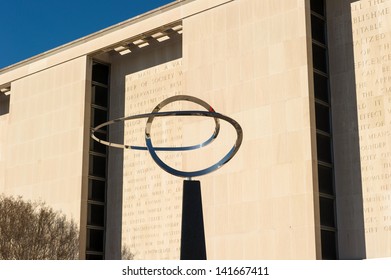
308,80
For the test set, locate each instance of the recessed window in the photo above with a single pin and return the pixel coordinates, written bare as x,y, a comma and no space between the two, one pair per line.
96,146
95,240
321,87
96,215
319,56
4,104
97,190
329,241
323,144
99,96
325,175
318,29
322,113
98,117
100,73
318,6
327,212
98,166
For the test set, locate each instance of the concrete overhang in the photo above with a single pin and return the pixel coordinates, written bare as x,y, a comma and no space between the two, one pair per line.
110,37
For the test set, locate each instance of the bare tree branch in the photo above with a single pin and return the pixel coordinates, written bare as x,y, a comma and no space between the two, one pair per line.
34,231
126,254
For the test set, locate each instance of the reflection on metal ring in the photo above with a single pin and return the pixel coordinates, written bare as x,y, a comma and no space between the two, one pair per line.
152,150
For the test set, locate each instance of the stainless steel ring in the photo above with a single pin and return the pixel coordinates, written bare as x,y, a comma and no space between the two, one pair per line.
152,150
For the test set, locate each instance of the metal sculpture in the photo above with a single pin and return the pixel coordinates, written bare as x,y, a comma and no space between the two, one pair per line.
192,234
152,150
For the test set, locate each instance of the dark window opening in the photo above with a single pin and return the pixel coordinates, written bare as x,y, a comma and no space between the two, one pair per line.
98,166
99,96
327,212
4,104
325,175
97,190
96,146
321,87
319,57
318,29
318,6
322,117
98,117
95,240
100,73
329,241
96,215
323,145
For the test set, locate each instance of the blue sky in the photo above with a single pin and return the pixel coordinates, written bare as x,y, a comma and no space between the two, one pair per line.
30,27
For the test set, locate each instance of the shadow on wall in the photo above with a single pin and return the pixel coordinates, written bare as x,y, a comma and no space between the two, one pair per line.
348,177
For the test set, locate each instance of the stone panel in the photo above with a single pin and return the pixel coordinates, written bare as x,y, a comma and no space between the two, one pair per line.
252,66
42,147
371,28
152,199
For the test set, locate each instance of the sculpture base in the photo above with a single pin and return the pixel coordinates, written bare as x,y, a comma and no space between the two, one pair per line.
192,235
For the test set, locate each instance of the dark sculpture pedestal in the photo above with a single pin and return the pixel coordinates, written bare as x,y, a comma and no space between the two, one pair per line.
192,235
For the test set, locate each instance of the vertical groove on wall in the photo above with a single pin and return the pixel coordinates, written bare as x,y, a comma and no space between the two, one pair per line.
97,178
324,141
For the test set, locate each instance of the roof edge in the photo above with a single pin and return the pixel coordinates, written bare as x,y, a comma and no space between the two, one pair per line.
96,34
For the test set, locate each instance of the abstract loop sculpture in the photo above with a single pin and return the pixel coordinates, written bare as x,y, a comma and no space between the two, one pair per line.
152,150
